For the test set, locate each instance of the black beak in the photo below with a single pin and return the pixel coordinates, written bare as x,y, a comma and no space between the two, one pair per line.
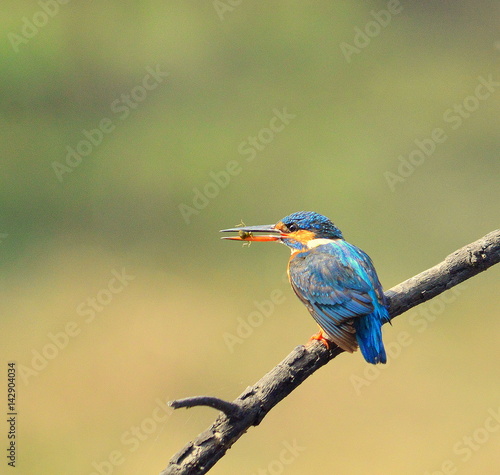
245,233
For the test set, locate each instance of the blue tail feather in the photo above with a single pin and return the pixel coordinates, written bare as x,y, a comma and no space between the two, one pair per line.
369,335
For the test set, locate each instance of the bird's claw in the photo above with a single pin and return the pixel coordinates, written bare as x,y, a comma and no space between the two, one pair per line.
321,338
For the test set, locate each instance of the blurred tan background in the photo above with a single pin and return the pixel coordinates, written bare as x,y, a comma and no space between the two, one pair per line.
131,132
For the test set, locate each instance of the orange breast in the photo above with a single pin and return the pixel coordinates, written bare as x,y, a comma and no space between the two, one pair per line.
294,253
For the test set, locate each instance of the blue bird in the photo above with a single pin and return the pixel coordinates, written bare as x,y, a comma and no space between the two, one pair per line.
335,280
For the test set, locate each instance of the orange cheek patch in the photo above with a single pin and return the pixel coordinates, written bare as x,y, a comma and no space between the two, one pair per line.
301,236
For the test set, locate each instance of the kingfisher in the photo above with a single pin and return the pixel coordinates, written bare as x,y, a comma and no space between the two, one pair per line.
335,280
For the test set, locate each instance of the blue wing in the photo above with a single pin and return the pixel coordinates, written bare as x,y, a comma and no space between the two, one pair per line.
338,284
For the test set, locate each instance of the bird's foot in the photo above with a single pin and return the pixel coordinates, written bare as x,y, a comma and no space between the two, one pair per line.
321,338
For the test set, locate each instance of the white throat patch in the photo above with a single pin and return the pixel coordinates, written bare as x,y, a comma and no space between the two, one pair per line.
318,242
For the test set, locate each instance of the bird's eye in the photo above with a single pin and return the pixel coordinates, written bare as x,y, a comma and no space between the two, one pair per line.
293,227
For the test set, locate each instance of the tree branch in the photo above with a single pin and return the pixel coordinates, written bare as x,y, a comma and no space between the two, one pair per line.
229,408
202,453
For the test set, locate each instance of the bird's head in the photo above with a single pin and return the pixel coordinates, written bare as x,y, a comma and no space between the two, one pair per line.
296,230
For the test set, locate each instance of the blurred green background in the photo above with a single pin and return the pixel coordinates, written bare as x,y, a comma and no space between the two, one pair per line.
132,206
